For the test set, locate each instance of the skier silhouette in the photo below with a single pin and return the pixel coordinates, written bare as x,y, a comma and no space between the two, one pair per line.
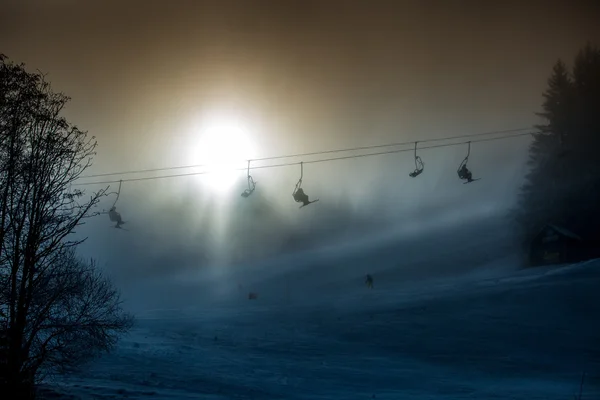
115,217
369,281
302,197
464,173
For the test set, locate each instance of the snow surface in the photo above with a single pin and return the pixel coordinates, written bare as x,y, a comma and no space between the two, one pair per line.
487,335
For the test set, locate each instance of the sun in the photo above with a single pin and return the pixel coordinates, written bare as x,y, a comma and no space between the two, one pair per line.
222,146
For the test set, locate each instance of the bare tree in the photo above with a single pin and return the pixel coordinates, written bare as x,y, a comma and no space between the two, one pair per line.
56,310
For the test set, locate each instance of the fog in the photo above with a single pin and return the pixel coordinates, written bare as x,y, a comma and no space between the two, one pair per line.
333,256
324,76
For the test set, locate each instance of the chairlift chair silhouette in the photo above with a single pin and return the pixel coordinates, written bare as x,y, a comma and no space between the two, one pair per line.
463,171
298,194
113,214
419,165
251,184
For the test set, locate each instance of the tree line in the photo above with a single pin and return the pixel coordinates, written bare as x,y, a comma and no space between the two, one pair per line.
562,185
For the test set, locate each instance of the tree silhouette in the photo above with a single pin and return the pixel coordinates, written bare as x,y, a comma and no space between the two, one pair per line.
55,310
562,185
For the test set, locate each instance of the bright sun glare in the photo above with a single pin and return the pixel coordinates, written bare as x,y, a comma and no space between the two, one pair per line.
223,145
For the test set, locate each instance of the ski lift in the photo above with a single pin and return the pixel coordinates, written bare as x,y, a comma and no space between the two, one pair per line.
463,171
113,214
251,184
298,194
419,165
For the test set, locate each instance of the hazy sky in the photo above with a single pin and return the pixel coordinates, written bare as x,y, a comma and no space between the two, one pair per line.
302,76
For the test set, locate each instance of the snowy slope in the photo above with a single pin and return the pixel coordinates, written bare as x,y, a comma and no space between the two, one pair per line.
520,335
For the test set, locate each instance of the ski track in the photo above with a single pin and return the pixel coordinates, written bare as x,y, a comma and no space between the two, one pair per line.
526,335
